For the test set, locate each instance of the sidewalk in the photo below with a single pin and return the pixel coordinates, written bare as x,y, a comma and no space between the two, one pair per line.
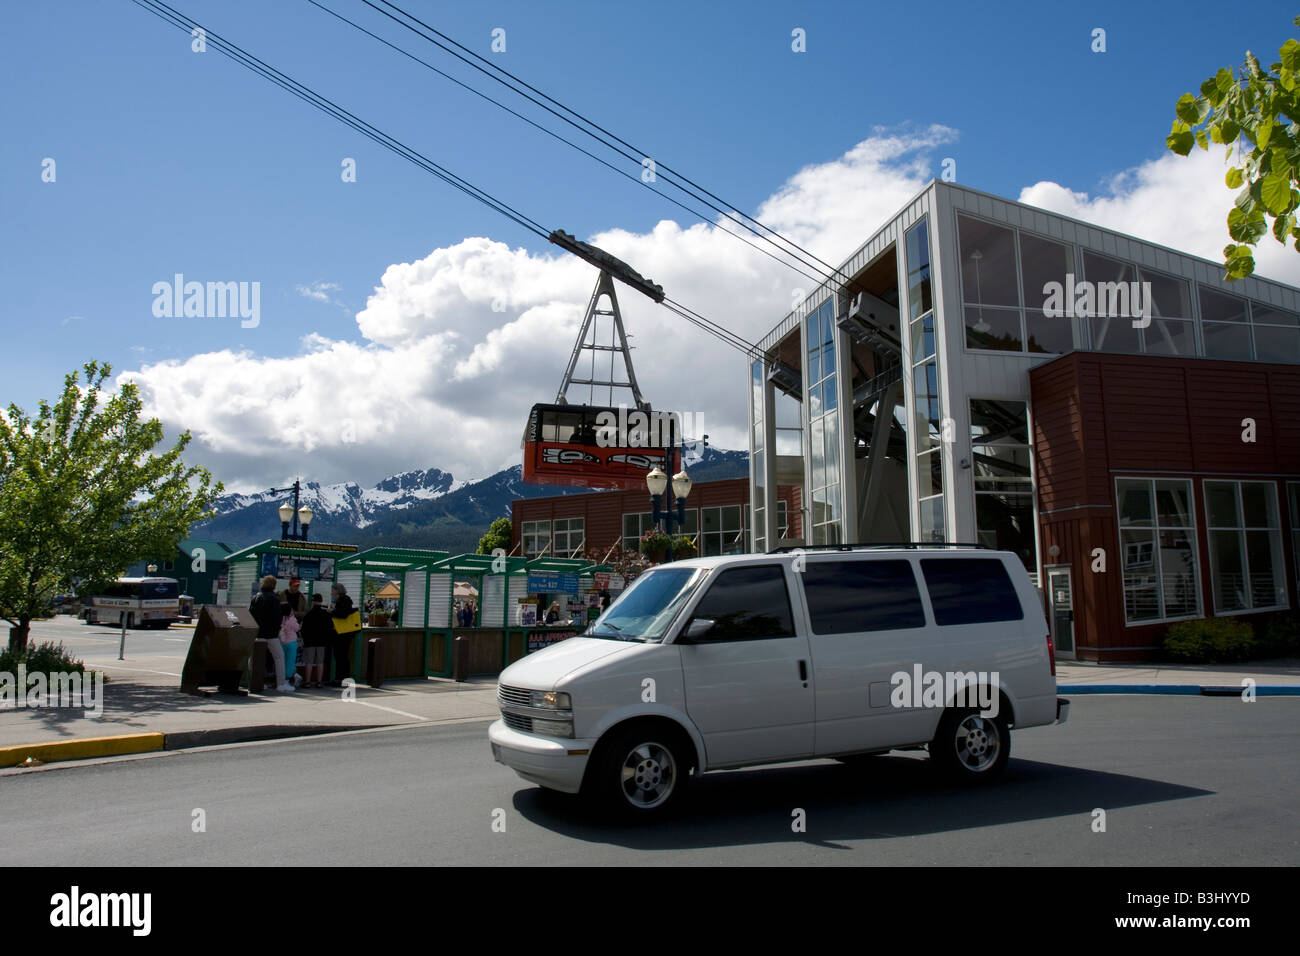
144,710
1271,677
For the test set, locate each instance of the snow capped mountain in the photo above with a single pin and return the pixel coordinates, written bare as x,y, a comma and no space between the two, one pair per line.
419,508
347,503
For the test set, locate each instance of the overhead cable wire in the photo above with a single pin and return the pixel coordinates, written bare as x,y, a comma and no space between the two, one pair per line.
568,142
604,137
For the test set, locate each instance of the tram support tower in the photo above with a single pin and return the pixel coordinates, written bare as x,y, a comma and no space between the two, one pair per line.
588,342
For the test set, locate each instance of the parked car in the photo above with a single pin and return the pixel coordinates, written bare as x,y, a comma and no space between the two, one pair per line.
725,662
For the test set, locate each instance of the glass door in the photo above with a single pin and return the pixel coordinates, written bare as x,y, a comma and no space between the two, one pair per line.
1060,596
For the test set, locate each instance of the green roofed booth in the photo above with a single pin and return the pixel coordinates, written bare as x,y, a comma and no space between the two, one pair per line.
314,563
407,635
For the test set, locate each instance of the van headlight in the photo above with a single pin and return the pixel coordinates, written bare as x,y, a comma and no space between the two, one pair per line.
550,700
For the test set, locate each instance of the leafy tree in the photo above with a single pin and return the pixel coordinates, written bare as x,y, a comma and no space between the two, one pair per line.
498,536
82,495
1260,111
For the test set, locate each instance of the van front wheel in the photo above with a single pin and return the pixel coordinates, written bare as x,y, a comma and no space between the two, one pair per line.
641,774
971,748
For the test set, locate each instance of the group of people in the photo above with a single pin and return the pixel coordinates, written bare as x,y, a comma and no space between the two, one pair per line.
284,620
466,613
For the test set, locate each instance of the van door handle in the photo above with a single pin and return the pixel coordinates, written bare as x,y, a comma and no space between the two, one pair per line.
803,671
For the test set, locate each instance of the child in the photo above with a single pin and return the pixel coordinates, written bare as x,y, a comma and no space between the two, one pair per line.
289,628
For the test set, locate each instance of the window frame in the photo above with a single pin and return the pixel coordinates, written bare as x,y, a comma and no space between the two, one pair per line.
710,585
1193,531
1241,530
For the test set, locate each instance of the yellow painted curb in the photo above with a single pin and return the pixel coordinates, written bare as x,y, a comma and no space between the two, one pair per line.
81,749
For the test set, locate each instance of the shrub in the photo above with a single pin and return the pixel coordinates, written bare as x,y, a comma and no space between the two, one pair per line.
1281,636
45,658
683,547
1211,640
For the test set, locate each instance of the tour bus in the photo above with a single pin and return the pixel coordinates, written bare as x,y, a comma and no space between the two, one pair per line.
146,602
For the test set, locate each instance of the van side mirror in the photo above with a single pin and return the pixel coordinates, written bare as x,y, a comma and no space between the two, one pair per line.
699,627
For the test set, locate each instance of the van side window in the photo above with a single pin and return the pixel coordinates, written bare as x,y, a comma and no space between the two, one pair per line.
748,603
848,596
970,591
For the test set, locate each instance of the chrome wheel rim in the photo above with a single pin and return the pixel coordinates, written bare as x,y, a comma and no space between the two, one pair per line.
978,743
648,775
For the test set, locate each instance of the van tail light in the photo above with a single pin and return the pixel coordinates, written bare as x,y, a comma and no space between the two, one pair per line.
1051,654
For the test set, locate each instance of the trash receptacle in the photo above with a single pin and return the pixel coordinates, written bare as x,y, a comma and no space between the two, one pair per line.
375,661
460,657
219,651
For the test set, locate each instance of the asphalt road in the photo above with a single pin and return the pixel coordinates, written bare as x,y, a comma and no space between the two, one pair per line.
1183,780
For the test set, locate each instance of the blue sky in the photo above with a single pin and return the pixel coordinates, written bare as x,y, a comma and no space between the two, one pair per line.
170,161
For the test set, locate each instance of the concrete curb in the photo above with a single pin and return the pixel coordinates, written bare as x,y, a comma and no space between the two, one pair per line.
81,749
127,744
1274,690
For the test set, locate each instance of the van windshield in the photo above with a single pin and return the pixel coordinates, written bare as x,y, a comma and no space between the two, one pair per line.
644,611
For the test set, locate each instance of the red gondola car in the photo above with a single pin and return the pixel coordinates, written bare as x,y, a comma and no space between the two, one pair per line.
593,446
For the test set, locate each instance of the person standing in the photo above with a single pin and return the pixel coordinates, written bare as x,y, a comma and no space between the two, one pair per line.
317,635
294,598
289,628
340,611
265,608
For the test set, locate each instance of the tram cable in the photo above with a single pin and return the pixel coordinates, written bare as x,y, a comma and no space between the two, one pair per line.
568,142
610,140
234,52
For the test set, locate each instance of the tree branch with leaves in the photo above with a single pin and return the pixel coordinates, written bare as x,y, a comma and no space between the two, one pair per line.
1257,115
83,495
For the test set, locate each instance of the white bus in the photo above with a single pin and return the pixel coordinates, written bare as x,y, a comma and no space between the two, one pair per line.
146,602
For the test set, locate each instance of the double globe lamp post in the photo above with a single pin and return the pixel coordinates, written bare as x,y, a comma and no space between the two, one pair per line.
657,483
291,512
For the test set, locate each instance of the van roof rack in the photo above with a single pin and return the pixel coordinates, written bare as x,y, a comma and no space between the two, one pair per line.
866,546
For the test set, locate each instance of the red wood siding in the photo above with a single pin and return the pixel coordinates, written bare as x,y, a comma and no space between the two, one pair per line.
1097,416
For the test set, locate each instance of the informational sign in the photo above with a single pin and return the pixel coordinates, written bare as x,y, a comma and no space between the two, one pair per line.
552,582
540,639
525,613
600,580
308,568
270,564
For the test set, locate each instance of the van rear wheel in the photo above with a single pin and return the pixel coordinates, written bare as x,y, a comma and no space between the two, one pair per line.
970,748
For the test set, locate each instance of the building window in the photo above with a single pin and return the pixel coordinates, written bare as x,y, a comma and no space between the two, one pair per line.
1245,538
635,525
1277,333
927,403
757,457
1293,499
1004,486
1110,315
1225,325
823,423
1157,533
722,531
569,537
536,538
1171,330
1043,261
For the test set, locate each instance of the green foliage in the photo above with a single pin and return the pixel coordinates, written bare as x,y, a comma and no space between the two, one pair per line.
653,540
498,536
1211,640
1281,636
684,547
82,495
1257,111
46,658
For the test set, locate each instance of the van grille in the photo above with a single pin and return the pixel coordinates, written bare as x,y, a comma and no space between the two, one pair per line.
515,722
514,695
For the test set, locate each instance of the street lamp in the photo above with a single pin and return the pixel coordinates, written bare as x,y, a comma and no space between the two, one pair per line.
657,483
292,513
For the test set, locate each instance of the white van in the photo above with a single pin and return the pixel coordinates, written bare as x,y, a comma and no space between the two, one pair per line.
839,652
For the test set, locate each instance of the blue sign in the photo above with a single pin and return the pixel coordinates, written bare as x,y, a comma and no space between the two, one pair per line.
270,563
552,582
